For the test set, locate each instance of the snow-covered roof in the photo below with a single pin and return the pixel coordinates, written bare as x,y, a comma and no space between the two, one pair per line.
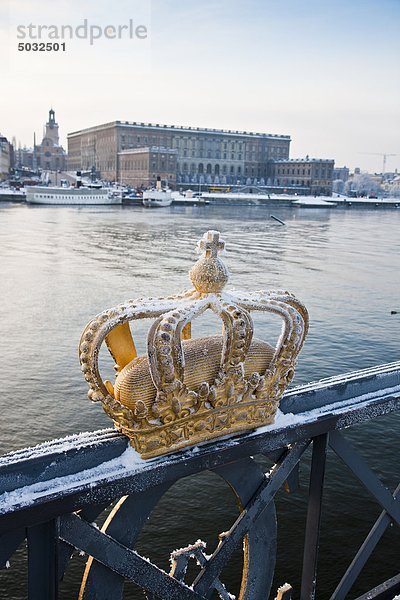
180,128
304,160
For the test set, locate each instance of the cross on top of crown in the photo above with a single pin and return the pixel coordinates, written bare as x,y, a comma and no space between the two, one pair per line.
211,244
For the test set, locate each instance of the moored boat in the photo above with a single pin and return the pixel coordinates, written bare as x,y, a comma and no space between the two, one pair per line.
79,195
71,196
12,195
157,197
188,199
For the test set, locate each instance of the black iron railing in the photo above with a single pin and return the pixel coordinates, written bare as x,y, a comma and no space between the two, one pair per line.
51,495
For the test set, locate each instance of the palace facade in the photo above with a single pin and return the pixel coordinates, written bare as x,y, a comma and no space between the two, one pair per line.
209,156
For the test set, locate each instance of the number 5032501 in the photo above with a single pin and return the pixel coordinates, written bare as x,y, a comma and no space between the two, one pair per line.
41,47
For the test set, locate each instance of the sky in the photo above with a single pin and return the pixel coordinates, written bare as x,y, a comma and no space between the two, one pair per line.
325,73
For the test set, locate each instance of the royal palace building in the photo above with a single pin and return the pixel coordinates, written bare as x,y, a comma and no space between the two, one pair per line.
136,153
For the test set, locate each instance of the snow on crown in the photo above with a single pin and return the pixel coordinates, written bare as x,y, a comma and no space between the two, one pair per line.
184,391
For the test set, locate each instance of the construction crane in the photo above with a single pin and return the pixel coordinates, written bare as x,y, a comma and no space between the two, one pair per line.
384,155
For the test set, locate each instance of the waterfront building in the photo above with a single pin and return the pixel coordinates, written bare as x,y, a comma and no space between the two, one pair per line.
139,167
203,156
24,158
310,175
391,184
49,155
5,157
341,173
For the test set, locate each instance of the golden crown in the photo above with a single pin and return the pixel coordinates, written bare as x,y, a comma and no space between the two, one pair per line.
185,391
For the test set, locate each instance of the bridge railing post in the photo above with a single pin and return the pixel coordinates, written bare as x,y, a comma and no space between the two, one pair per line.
43,561
311,542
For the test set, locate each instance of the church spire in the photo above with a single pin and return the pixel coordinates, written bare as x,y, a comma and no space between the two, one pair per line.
52,117
52,128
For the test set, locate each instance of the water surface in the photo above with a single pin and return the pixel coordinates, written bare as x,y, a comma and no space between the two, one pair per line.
60,266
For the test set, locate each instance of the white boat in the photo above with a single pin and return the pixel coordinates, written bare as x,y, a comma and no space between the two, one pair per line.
187,199
157,197
79,196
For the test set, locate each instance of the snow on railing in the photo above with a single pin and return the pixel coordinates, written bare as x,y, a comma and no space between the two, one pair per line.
41,489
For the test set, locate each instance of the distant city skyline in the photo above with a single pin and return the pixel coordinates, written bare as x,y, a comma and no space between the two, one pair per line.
325,74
